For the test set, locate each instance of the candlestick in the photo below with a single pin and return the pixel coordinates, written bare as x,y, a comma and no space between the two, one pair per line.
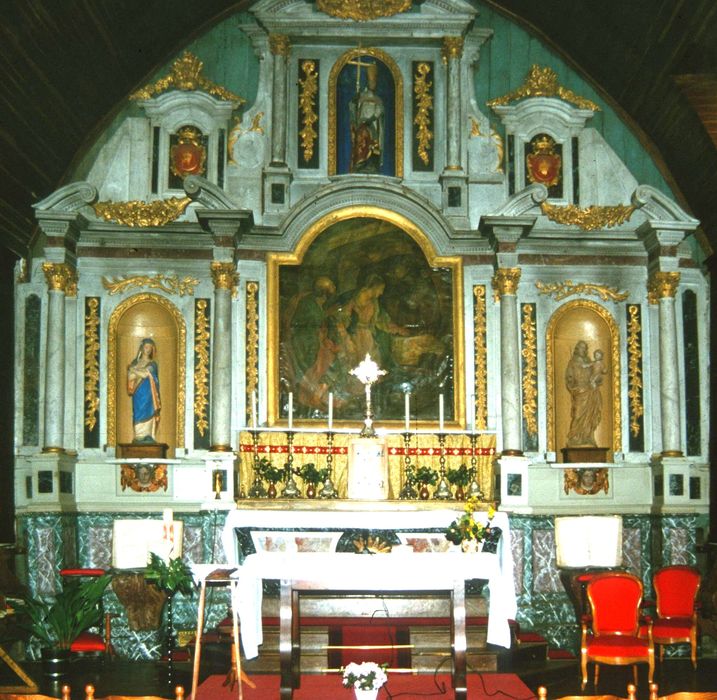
291,410
408,409
253,409
331,410
440,413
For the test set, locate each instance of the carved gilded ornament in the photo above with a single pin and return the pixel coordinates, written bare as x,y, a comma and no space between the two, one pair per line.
662,285
167,283
544,165
505,281
60,277
92,363
224,276
188,156
252,342
452,48
363,10
562,290
529,352
542,81
586,482
481,357
186,75
590,218
308,90
424,105
237,131
201,366
279,44
137,213
144,478
634,368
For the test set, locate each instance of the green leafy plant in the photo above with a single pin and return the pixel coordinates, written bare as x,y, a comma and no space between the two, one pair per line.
175,577
57,622
466,527
311,475
269,473
460,476
426,475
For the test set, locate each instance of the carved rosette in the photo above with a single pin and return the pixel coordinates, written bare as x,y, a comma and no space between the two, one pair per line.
224,276
662,285
505,281
480,355
279,45
60,277
452,48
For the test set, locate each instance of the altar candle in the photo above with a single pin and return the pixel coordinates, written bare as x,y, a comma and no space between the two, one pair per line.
407,400
440,413
331,410
167,516
253,409
473,413
291,410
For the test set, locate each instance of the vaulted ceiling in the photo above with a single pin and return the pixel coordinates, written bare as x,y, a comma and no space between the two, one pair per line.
67,64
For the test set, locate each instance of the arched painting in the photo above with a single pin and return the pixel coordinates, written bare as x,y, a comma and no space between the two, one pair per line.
364,285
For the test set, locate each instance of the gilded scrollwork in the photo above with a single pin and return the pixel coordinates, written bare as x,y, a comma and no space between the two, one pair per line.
252,342
137,213
186,74
279,44
634,367
363,10
60,277
480,357
201,366
224,276
590,218
308,90
423,107
92,363
562,290
542,81
662,285
505,281
167,283
529,352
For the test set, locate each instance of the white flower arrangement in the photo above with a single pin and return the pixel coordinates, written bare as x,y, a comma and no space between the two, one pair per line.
364,676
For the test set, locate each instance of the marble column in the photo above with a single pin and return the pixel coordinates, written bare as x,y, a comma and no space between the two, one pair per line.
280,48
505,284
225,279
452,52
59,277
662,288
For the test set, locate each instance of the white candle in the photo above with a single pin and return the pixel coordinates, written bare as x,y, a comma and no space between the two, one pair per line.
331,410
291,410
253,409
167,516
473,412
440,413
407,400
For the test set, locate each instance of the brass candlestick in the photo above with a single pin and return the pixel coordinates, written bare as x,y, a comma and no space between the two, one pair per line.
407,491
328,490
474,490
291,490
443,492
257,489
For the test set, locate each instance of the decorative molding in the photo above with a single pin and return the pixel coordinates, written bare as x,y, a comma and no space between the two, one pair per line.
562,290
662,285
186,74
505,281
92,363
308,91
170,284
590,218
542,81
529,352
363,10
279,44
224,276
237,131
658,207
201,366
523,201
480,357
60,277
423,107
634,368
452,48
251,348
137,213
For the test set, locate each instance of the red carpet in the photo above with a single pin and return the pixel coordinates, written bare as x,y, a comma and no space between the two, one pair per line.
492,686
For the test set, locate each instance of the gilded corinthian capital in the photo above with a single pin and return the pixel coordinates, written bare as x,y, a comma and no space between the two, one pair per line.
279,44
60,277
505,281
452,47
224,275
662,285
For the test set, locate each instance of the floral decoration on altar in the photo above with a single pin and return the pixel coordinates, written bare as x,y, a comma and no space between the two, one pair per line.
364,676
466,529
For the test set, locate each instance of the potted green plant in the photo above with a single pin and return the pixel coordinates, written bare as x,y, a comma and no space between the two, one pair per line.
426,477
312,477
460,478
57,622
270,474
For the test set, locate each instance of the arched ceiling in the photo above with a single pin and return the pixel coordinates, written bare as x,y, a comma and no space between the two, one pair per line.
67,64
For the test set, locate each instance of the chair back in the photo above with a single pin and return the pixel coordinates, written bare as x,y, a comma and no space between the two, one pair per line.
615,599
676,589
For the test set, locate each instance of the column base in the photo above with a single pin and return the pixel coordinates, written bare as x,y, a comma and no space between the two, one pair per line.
221,448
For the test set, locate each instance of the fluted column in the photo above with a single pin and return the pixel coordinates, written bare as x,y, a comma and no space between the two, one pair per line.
662,288
452,52
505,284
59,277
280,48
225,279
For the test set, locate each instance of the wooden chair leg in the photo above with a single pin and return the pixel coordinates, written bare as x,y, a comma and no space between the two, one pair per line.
597,674
634,674
584,668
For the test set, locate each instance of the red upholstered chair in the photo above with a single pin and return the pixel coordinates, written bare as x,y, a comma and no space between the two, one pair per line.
675,622
92,642
611,632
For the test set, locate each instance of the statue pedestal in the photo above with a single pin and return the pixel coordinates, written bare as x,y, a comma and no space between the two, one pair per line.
368,469
577,455
142,450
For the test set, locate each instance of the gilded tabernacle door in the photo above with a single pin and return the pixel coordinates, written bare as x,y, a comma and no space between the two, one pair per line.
583,370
